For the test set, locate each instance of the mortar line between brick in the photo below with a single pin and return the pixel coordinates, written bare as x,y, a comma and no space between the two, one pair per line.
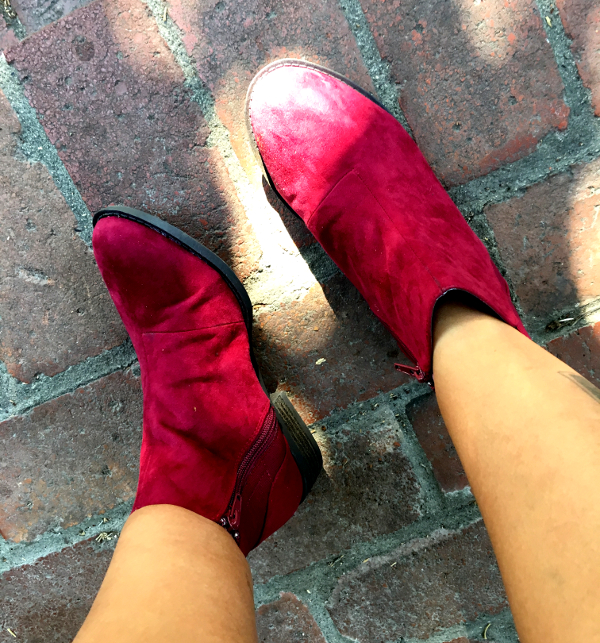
457,631
469,629
584,316
378,68
14,555
557,151
322,575
576,94
22,397
318,610
37,148
433,496
482,227
14,24
436,501
513,179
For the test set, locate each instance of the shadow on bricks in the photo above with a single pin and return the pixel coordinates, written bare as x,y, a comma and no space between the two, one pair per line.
113,102
359,351
367,489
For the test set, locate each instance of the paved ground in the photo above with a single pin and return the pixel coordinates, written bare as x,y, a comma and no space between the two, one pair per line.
140,102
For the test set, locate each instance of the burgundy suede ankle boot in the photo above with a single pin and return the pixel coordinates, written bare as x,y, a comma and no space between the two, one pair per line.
213,441
344,164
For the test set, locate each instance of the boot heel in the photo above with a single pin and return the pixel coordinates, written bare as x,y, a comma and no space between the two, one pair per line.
303,446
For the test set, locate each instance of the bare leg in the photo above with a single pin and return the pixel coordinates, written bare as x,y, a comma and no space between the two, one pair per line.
175,576
527,430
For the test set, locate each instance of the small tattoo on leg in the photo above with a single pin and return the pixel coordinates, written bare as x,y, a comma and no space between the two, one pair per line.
583,384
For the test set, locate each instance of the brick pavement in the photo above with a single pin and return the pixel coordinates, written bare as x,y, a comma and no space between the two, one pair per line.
140,102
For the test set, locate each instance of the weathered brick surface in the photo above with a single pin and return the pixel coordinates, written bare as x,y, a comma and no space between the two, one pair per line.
7,36
478,82
548,239
55,310
48,601
334,323
581,19
581,351
367,489
34,14
113,103
437,582
426,419
231,40
287,620
69,458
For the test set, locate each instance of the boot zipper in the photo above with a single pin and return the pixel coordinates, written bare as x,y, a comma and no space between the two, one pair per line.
233,514
415,371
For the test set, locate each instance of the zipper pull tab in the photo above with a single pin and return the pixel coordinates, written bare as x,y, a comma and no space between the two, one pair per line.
235,513
414,371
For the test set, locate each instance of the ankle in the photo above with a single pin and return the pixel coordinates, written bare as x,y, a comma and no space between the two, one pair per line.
456,314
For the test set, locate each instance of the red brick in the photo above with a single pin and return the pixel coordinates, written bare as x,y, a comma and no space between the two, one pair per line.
54,306
34,14
113,103
428,423
7,36
48,601
548,240
367,489
443,580
71,457
230,41
581,20
581,351
334,323
287,620
478,82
